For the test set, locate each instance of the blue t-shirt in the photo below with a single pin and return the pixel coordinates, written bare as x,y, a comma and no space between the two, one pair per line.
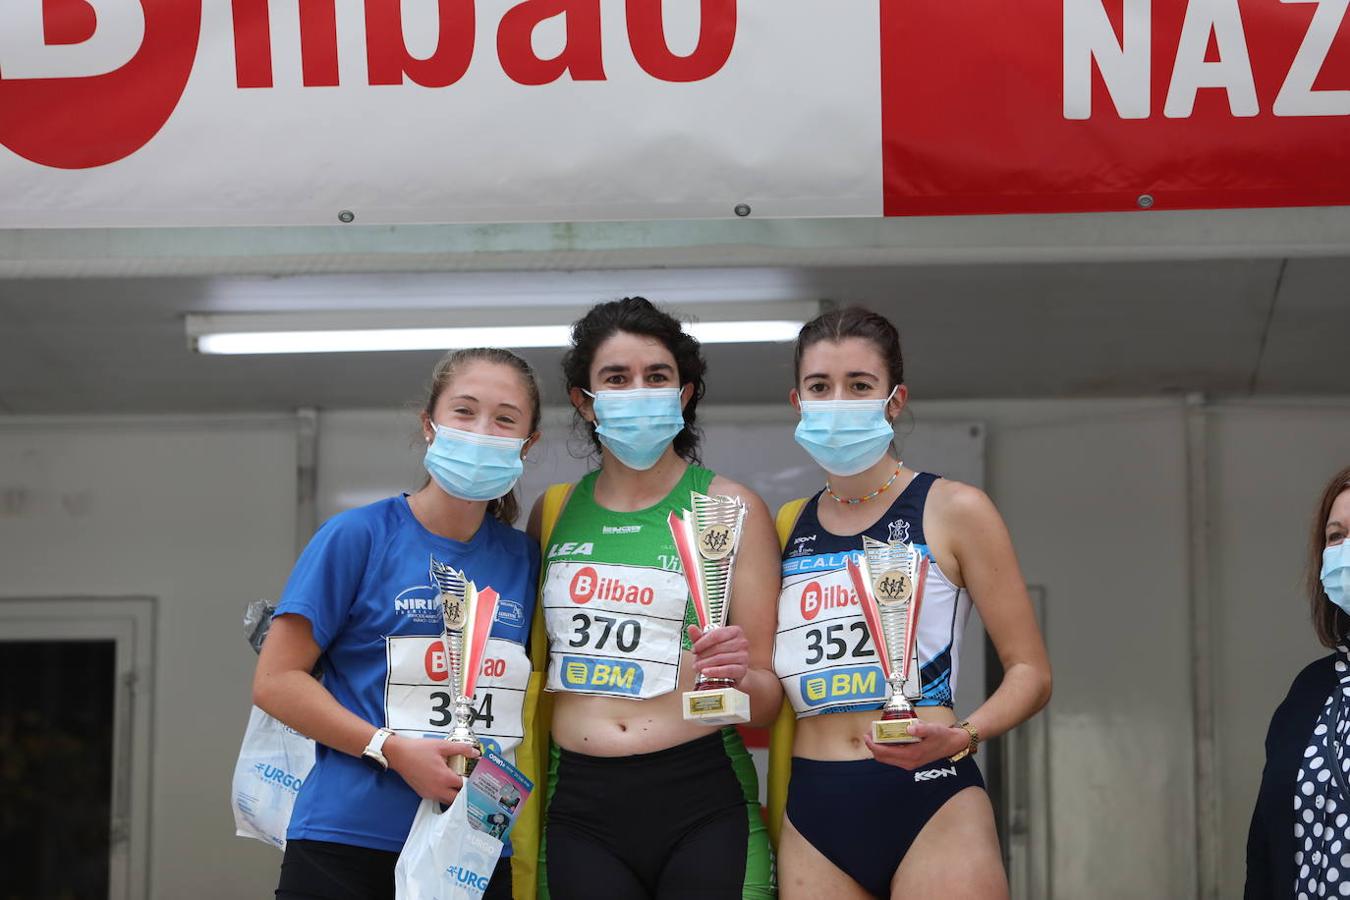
365,585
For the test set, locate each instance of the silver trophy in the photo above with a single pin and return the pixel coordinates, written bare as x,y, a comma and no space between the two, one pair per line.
889,581
706,539
467,615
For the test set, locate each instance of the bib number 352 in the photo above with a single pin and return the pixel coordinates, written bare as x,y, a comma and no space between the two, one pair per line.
830,642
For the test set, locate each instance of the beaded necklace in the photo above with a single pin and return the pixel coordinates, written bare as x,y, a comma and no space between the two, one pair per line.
854,501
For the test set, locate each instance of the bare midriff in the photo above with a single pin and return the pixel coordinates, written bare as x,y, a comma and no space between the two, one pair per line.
609,726
839,736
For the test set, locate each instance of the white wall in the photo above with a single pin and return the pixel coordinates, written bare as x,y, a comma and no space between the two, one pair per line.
202,516
1269,466
1094,496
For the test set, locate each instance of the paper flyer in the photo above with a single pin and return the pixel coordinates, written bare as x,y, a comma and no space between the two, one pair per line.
496,792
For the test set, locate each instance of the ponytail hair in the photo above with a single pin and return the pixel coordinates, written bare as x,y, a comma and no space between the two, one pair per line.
854,322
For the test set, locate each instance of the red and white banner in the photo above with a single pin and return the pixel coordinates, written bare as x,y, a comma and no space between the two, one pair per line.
225,112
1073,105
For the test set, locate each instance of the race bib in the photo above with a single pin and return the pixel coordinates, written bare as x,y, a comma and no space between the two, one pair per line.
823,653
418,701
613,630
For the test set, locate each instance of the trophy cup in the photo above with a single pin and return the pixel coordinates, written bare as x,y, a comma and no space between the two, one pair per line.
468,614
706,539
889,582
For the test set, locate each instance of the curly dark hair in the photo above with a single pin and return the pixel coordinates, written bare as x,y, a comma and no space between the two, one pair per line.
637,315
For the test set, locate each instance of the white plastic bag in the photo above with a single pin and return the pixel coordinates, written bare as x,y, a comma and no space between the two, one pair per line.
444,857
273,762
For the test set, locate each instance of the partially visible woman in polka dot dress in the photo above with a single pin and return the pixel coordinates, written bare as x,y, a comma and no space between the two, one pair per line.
1299,843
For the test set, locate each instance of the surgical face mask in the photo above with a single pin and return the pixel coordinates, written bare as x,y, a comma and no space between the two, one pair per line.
845,437
638,425
1336,574
473,466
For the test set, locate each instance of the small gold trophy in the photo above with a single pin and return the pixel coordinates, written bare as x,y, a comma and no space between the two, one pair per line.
468,614
889,582
706,539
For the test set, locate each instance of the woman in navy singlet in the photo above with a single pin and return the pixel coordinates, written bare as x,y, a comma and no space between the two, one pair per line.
363,601
920,822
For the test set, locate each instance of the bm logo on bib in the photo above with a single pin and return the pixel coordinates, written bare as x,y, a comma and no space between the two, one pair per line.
609,676
849,684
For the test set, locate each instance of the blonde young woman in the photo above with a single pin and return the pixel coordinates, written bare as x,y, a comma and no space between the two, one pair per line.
362,600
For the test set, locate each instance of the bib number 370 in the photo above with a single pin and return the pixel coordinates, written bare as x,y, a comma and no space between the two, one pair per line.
596,631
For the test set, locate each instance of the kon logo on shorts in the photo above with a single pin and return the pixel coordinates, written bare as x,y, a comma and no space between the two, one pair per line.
930,774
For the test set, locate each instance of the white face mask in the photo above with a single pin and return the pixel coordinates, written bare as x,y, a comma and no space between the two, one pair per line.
473,466
638,425
1336,574
845,437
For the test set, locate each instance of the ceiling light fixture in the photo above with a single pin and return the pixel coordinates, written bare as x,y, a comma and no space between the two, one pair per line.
369,330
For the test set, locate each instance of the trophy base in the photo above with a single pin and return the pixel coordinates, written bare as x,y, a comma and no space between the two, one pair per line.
461,765
717,706
893,731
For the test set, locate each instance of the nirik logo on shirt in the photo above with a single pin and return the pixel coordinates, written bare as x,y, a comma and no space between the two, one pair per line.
422,604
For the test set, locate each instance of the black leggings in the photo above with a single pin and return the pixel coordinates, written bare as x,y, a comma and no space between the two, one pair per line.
320,870
667,824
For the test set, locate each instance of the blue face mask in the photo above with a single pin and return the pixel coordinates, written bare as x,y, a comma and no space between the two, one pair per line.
845,437
474,466
638,425
1336,574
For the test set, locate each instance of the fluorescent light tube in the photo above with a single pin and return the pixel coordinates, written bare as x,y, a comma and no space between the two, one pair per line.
756,332
376,339
371,330
510,336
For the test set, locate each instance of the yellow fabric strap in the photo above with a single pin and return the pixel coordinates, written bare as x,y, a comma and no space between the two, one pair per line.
785,726
555,498
532,754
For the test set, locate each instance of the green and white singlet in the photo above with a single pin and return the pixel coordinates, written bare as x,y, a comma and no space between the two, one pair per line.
616,609
616,606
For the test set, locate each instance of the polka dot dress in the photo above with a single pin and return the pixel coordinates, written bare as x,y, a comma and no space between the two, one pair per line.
1321,810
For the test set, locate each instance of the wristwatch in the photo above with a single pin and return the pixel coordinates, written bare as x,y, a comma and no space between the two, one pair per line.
974,741
374,752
